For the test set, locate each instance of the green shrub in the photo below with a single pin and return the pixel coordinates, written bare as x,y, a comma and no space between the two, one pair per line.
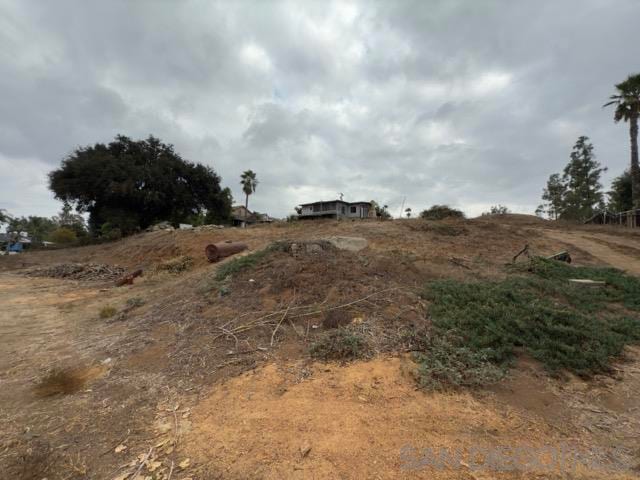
246,262
135,302
340,344
439,212
445,363
497,210
107,312
562,325
108,231
239,264
63,235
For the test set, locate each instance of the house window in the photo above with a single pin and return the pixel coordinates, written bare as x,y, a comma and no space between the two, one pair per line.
353,209
344,210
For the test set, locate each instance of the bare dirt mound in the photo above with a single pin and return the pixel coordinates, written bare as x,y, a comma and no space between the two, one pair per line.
367,420
182,334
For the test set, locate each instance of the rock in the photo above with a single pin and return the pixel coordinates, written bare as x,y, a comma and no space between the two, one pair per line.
305,448
352,244
209,227
313,248
160,226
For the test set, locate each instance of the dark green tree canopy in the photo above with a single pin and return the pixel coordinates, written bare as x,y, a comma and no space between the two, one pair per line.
584,194
578,194
39,228
620,198
553,195
627,99
133,184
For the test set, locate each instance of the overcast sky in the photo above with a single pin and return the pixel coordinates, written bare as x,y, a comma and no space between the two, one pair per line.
465,102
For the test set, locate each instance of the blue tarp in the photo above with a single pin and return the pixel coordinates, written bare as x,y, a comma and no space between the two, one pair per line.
15,247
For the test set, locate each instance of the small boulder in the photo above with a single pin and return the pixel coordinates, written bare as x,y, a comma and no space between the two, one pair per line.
351,244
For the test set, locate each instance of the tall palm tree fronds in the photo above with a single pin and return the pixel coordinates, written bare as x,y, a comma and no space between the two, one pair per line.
249,182
627,109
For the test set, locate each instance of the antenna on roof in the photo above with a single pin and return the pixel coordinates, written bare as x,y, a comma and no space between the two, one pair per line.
341,195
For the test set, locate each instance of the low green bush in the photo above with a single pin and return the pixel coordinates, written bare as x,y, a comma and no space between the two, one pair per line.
107,312
339,344
439,212
564,326
445,363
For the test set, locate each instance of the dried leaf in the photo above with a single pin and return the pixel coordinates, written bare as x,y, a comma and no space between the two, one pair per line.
184,463
165,427
120,448
122,476
161,443
153,465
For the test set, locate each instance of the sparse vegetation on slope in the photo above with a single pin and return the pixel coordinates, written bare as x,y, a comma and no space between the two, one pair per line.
445,362
340,344
239,264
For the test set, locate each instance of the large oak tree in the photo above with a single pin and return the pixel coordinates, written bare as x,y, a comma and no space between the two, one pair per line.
133,184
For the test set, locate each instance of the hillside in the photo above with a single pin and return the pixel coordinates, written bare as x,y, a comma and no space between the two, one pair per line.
300,359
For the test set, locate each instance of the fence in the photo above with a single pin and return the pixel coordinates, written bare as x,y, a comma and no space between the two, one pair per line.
630,218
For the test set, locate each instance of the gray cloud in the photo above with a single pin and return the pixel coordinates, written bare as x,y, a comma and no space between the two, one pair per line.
457,101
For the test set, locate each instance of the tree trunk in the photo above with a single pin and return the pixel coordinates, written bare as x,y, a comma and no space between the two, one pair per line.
246,208
635,168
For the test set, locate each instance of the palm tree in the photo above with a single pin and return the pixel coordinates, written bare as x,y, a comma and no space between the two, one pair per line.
249,183
627,102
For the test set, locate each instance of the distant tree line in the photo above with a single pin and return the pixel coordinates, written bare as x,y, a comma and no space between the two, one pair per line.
64,228
577,193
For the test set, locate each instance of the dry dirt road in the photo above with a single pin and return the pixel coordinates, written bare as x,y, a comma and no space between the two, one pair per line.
616,251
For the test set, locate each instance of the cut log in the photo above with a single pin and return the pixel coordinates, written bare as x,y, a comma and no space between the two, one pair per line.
561,257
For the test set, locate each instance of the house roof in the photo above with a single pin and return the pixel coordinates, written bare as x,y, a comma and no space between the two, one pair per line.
334,201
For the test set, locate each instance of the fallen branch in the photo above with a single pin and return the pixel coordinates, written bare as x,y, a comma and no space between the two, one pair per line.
273,334
459,262
144,460
264,320
524,251
345,304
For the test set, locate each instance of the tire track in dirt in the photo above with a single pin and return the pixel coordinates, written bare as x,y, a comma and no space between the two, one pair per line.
592,244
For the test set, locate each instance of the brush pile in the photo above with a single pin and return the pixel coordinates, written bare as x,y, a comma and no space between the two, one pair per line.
78,271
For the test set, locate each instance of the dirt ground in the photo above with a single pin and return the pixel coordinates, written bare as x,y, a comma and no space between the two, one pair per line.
184,381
